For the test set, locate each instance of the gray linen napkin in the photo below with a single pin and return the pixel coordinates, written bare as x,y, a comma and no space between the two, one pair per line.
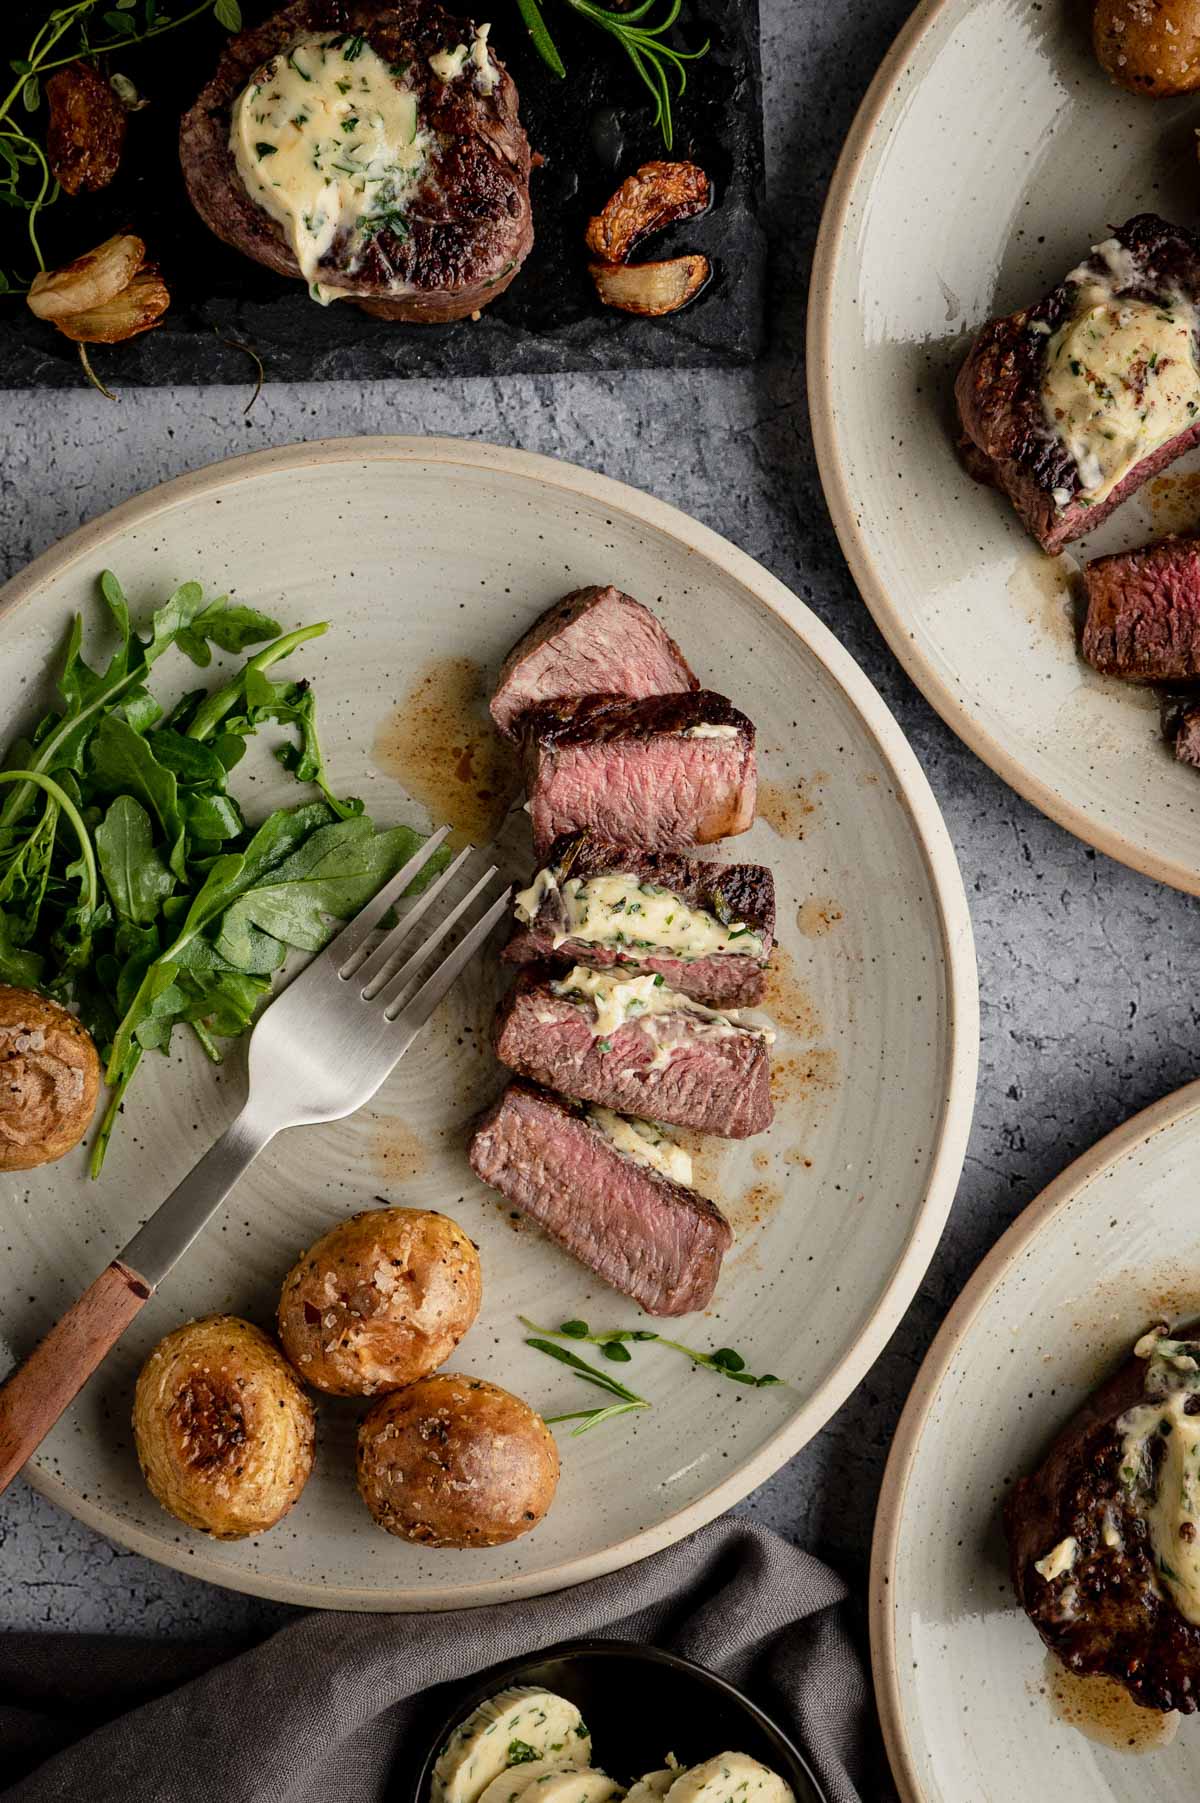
335,1707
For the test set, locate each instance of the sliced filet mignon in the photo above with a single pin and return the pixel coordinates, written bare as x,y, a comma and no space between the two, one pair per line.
1103,1604
594,641
442,248
1017,434
665,772
1143,612
642,900
1182,726
655,1240
676,1066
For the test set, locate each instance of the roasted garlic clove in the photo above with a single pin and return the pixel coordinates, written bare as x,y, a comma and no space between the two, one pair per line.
96,277
650,289
86,132
134,310
656,197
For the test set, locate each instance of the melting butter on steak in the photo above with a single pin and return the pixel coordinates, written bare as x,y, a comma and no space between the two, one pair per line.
373,150
1104,1538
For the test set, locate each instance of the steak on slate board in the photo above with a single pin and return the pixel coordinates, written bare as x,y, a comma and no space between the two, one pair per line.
715,1082
730,892
468,226
1007,440
666,772
593,641
650,1237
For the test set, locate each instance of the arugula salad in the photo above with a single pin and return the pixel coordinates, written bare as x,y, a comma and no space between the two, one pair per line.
131,883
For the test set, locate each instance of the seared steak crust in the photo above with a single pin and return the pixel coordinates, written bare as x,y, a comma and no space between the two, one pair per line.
1005,436
1107,1615
627,771
649,1237
469,223
1143,618
744,892
594,640
718,1083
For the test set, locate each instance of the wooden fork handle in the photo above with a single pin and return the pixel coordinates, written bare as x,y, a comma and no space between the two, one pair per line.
38,1391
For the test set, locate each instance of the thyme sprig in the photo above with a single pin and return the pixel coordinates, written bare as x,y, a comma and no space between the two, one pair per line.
26,179
627,1400
614,1344
658,64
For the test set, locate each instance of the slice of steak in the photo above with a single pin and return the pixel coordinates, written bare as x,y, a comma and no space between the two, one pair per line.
1010,435
1106,1608
666,772
649,1237
441,251
594,641
1184,735
678,1067
657,891
1143,612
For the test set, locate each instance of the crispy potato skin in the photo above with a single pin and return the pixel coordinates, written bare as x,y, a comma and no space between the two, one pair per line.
86,132
456,1462
650,289
224,1432
49,1080
656,197
1151,47
379,1301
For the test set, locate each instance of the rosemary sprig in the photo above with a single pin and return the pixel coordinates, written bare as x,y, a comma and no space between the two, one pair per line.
614,1344
657,63
26,180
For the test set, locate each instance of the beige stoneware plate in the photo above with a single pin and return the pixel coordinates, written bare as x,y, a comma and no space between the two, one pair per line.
429,557
972,1706
989,153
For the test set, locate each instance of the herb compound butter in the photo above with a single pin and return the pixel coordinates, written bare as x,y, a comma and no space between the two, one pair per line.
616,1001
1121,378
516,1727
1059,1560
620,910
644,1143
730,1776
1164,1485
327,140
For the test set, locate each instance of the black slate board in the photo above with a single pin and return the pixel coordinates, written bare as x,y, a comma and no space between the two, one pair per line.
592,129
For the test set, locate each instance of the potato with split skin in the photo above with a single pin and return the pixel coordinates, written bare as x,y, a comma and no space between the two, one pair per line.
224,1432
379,1301
1151,47
49,1080
455,1461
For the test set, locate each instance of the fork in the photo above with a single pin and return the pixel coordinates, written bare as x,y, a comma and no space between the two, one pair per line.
320,1049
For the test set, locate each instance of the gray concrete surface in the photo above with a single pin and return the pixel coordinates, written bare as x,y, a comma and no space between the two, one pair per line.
1087,970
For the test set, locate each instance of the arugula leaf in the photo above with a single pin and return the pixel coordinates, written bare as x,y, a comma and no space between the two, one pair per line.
137,880
123,763
228,627
18,966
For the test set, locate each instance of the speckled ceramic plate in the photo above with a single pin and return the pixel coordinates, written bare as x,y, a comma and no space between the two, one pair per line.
430,557
989,153
972,1705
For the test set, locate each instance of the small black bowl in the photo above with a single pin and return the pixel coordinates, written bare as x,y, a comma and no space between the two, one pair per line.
640,1704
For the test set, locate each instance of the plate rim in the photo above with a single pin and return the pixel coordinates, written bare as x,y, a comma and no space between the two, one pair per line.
833,234
1014,1243
948,895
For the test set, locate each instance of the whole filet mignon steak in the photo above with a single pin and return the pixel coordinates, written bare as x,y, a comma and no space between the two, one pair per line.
606,905
1099,1566
1069,405
594,641
666,772
429,223
650,1237
674,1066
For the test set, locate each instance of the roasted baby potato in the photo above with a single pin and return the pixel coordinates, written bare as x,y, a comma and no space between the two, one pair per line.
49,1080
224,1432
650,289
379,1301
86,132
1149,46
654,198
453,1461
